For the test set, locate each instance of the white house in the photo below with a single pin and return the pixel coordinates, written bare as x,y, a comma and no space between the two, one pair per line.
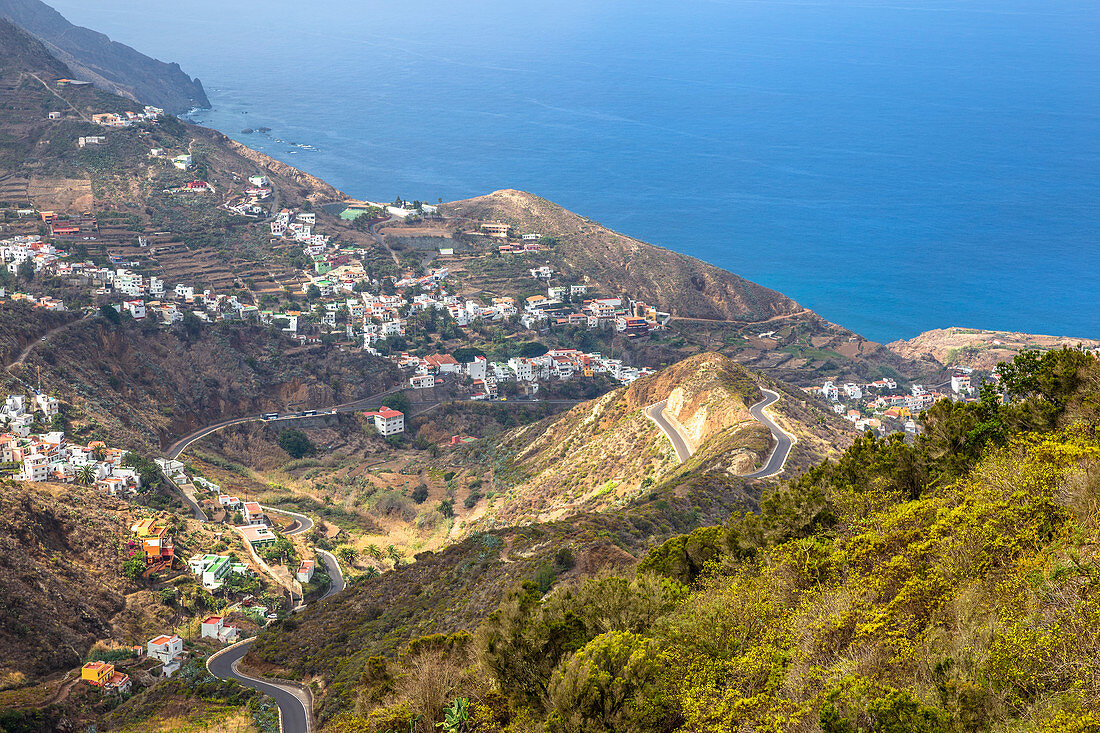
422,381
387,421
168,650
305,571
478,368
253,514
524,369
214,627
135,308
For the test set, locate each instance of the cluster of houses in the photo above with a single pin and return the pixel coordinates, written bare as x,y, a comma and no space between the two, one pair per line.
17,250
113,120
633,318
556,364
167,649
126,119
298,226
253,527
882,399
166,306
250,202
49,457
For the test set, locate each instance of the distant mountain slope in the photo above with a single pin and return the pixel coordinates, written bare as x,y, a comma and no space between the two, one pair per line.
977,348
110,65
605,452
684,285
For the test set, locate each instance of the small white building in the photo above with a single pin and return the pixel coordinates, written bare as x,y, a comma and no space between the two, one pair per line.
168,650
388,422
253,514
478,368
214,627
305,571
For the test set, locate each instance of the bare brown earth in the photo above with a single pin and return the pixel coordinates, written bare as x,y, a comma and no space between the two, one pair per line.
61,585
979,349
61,194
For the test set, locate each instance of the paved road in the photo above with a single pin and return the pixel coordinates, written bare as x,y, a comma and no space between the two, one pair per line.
294,713
783,440
305,524
196,511
373,231
185,442
656,414
334,573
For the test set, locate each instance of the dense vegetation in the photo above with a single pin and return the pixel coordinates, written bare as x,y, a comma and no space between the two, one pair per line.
944,584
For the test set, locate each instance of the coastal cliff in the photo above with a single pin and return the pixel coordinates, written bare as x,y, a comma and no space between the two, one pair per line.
112,66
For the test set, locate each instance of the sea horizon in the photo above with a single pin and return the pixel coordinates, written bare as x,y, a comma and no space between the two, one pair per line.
918,166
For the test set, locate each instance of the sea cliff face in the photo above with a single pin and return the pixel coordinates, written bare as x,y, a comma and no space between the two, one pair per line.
108,64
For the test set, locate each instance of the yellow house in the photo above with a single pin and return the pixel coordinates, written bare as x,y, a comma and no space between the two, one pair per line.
150,528
97,673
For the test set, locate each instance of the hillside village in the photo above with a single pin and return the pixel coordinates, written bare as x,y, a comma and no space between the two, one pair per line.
882,408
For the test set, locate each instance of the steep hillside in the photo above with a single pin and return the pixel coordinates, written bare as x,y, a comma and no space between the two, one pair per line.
979,349
145,387
112,66
712,310
937,586
606,452
60,584
682,284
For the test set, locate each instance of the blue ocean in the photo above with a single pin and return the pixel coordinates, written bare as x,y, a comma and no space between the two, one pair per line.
895,165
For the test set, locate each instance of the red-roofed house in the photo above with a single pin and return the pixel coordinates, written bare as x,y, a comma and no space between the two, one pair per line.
253,514
443,363
305,571
257,536
389,422
118,682
214,627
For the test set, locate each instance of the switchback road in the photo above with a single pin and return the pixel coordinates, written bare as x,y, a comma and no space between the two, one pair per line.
784,441
656,413
336,576
295,704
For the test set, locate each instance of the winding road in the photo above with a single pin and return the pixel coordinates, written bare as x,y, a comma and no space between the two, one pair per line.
336,577
295,703
656,413
784,441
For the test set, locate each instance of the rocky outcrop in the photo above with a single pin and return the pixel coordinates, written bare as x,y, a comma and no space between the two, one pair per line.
977,348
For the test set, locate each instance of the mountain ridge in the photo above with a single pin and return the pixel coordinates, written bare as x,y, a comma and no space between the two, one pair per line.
110,65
